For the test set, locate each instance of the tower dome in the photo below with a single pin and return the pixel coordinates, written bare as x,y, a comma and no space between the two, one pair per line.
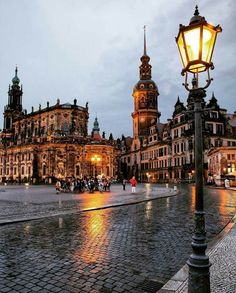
16,79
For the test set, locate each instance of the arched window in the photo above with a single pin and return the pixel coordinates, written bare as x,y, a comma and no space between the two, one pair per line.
44,170
77,170
107,171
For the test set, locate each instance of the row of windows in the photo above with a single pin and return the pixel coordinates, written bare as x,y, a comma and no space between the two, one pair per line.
231,143
16,157
214,128
180,161
231,157
154,154
23,171
179,147
155,165
179,131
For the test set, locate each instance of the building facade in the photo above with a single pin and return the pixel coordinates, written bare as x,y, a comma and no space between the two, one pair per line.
52,142
164,152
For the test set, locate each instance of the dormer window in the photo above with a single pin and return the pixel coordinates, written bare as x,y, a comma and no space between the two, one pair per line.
214,114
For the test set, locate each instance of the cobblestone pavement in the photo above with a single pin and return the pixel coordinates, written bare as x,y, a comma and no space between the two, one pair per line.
20,203
224,264
131,248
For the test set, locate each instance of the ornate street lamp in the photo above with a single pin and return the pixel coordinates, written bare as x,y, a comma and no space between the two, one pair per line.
196,44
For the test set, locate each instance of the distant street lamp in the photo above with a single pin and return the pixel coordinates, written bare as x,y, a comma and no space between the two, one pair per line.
196,44
95,159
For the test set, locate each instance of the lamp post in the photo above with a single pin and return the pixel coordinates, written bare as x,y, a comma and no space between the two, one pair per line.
196,43
95,159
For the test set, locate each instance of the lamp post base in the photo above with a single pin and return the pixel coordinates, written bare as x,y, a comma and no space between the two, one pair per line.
199,277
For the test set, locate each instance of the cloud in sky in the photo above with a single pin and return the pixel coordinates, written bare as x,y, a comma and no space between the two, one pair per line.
90,50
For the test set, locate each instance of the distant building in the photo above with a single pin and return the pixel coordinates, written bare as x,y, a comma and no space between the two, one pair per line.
52,142
163,152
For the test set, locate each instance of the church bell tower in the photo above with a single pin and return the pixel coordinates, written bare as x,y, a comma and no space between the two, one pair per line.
145,94
14,106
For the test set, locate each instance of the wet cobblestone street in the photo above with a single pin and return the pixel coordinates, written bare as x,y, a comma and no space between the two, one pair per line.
108,250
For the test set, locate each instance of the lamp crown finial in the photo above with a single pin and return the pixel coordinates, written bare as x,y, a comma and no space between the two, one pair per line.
196,13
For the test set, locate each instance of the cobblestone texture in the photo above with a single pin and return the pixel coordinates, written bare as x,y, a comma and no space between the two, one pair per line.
223,258
107,250
18,202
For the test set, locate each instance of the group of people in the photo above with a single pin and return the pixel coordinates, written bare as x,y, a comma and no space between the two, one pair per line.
90,184
81,185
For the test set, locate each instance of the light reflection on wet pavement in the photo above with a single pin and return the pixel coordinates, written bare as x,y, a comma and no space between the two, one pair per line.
107,250
20,203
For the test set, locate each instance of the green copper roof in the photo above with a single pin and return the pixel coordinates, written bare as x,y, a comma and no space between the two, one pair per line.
16,79
96,125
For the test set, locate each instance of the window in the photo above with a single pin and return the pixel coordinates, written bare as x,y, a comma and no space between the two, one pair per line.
214,114
44,170
77,170
219,129
209,127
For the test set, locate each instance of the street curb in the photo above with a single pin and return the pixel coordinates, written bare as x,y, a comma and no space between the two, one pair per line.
70,212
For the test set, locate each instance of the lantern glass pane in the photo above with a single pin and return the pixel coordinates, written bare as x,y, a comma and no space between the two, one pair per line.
192,41
209,36
182,51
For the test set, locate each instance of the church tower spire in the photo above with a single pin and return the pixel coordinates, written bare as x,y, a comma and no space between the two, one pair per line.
145,69
144,45
14,106
145,95
96,130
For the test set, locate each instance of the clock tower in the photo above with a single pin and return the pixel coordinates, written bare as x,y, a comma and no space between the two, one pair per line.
145,94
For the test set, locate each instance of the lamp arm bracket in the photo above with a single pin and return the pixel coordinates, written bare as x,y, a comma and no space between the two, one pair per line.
208,81
185,84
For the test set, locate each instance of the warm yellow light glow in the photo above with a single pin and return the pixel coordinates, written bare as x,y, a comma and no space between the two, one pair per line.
182,51
96,158
196,44
207,43
192,43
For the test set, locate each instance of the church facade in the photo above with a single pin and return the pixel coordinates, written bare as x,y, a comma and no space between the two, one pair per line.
164,152
52,143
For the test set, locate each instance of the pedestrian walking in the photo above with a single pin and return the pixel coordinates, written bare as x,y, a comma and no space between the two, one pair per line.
227,185
58,186
124,183
133,183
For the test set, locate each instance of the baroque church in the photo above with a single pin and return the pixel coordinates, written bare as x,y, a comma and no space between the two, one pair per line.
52,143
164,152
